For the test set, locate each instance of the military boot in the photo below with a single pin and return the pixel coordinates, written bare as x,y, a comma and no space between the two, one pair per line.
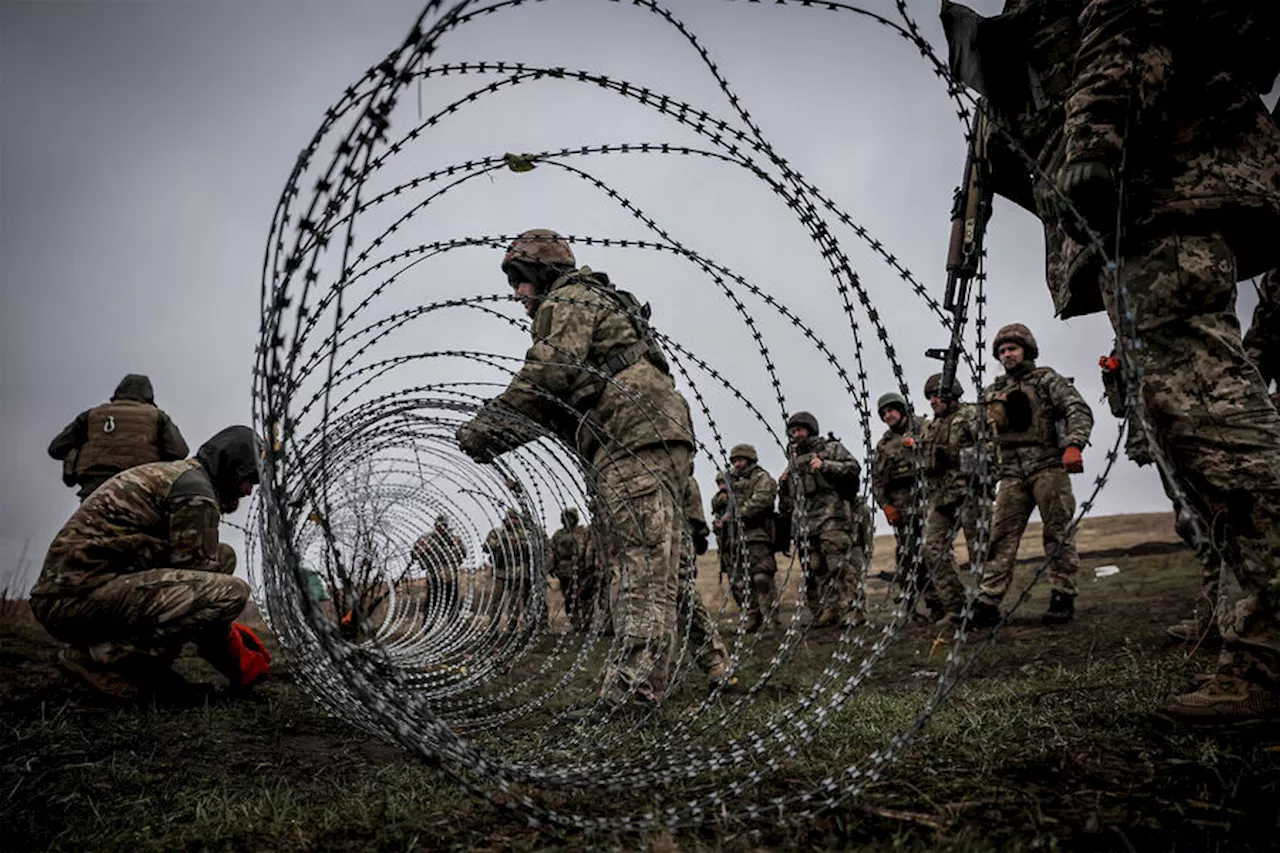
1224,699
109,681
984,615
718,677
754,621
1062,609
1196,629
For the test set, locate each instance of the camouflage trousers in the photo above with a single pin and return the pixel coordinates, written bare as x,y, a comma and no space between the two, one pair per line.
945,591
512,603
704,637
757,584
908,560
1212,417
1048,489
150,613
642,498
832,576
728,567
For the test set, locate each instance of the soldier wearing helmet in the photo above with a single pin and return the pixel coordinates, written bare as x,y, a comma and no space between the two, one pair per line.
1041,424
949,456
511,547
597,378
708,648
819,490
724,534
894,473
569,565
752,492
439,554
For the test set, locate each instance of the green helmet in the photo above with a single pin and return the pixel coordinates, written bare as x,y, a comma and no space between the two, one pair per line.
1016,333
933,385
892,399
746,451
805,420
569,517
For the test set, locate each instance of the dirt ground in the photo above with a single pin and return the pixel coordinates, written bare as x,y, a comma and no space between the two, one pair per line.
1051,743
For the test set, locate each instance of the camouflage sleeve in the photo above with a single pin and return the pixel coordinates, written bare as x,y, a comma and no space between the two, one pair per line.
693,505
172,445
1067,400
1262,341
879,477
74,435
759,498
838,464
193,533
1122,69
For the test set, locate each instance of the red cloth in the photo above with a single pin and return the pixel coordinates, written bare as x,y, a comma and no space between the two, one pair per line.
1072,461
252,658
892,515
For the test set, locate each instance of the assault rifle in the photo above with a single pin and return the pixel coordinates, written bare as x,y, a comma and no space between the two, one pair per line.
970,210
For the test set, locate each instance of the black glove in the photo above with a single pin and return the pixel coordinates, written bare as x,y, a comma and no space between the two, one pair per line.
700,543
1090,186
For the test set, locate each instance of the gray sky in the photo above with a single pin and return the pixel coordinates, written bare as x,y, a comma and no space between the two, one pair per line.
144,146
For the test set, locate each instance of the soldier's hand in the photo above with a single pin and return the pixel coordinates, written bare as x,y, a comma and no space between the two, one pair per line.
782,478
892,515
700,543
1072,461
472,441
1091,188
815,463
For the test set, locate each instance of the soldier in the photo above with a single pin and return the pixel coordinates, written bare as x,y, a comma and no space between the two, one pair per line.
751,521
138,571
948,448
1161,102
510,550
440,553
822,478
1041,424
105,440
893,479
704,638
569,565
597,378
724,537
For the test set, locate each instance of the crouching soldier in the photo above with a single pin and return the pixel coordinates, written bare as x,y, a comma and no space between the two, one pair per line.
138,571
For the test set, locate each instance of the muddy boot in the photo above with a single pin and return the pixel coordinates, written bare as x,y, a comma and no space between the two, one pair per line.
984,616
718,677
1062,609
1222,700
1196,629
754,621
109,681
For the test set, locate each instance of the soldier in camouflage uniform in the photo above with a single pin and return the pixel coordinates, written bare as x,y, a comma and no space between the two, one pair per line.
440,553
724,536
947,446
138,571
893,479
819,490
1040,424
704,638
105,440
1160,102
510,551
750,518
569,564
597,378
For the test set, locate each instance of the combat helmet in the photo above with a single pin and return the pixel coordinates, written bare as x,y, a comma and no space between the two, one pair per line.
569,517
804,419
933,385
746,451
1016,333
891,400
538,255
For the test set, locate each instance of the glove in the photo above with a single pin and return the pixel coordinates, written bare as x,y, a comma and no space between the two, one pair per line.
892,515
252,659
700,543
1072,461
1090,186
472,441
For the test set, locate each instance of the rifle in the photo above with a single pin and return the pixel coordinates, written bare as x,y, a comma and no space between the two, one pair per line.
970,210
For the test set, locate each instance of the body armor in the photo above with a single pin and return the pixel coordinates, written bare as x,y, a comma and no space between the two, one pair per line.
122,434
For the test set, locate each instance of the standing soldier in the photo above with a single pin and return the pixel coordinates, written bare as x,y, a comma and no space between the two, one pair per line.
704,638
509,550
1041,423
597,378
138,571
724,537
819,490
107,439
440,553
893,478
569,565
1150,123
751,521
948,447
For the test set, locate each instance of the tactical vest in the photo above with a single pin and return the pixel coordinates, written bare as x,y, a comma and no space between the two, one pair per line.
897,464
1024,415
567,550
122,434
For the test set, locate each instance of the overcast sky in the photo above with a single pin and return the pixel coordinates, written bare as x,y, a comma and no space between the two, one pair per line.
145,144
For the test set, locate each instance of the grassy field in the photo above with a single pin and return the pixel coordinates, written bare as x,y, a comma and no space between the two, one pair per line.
1051,743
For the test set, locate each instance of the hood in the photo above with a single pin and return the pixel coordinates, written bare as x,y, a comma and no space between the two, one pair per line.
135,386
229,458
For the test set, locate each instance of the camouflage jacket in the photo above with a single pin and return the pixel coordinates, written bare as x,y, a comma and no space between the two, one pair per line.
580,334
509,548
163,515
569,551
693,514
828,492
946,442
754,492
893,470
719,513
440,550
1162,86
1262,342
1036,413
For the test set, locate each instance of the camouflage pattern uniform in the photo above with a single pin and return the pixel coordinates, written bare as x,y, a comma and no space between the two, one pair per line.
440,553
704,638
1169,94
105,440
753,492
893,479
569,565
819,503
724,536
511,552
596,378
948,440
138,570
1036,414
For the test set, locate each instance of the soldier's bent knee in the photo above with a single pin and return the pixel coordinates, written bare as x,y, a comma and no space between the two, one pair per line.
226,559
